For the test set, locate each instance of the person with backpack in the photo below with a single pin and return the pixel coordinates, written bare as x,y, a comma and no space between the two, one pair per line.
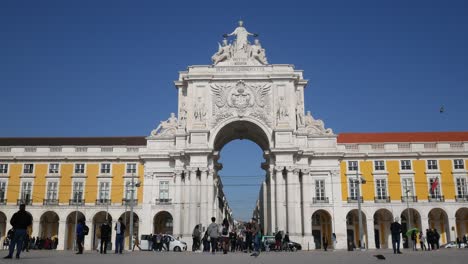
225,235
119,236
105,237
81,231
20,222
213,234
196,236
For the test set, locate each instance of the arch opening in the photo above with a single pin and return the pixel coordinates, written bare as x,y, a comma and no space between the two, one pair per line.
410,218
99,219
136,223
163,223
461,222
352,229
383,218
241,130
321,228
71,222
438,220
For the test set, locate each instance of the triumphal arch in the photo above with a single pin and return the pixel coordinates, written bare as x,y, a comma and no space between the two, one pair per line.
240,96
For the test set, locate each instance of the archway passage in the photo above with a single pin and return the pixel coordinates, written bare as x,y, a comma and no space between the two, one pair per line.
461,219
3,226
71,222
126,220
49,225
352,229
383,218
321,228
241,130
163,223
99,219
438,220
415,217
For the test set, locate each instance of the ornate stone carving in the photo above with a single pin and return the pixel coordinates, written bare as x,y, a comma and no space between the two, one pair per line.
183,115
315,127
282,113
166,128
241,99
300,115
240,51
199,111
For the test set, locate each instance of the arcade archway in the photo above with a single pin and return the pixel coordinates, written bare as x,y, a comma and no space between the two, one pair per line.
321,228
382,221
163,223
49,225
136,223
406,216
71,223
461,219
352,226
99,219
438,220
3,226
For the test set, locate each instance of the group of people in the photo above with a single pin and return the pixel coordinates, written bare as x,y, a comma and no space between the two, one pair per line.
226,238
160,242
432,238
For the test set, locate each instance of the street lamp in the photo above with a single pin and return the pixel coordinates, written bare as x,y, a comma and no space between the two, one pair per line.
132,199
360,181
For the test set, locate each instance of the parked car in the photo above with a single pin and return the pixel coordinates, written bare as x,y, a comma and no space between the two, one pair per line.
453,244
269,242
146,243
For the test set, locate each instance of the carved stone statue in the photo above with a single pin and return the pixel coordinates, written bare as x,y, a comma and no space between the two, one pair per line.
282,112
224,52
241,36
182,116
166,128
199,112
315,126
258,53
300,115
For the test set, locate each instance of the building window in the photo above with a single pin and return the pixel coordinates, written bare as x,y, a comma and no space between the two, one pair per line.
435,194
79,168
131,168
77,191
407,187
458,164
381,185
405,164
461,187
164,190
28,168
104,189
3,168
105,168
52,191
353,189
2,191
432,165
26,192
352,165
379,165
320,190
53,168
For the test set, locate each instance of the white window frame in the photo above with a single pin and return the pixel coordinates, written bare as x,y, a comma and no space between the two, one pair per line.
348,166
57,191
377,189
377,166
109,191
5,181
79,173
50,167
101,168
465,189
350,182
127,167
317,187
127,189
428,165
455,165
6,167
83,190
29,173
405,169
22,188
403,186
164,189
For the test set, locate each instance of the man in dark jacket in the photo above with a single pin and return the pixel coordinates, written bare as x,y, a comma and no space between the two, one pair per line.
105,237
395,229
20,222
119,236
80,234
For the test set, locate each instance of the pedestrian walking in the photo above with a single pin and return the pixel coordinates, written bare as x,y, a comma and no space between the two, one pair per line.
196,237
213,234
233,239
98,239
119,236
278,238
422,241
334,241
286,241
136,242
206,242
436,238
325,243
80,235
105,237
395,229
20,222
225,235
413,240
458,242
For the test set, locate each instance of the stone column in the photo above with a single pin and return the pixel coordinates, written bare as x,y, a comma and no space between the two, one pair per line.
306,202
186,204
88,240
265,206
370,233
293,202
193,202
177,224
272,199
281,201
452,236
204,198
424,224
36,228
62,230
210,198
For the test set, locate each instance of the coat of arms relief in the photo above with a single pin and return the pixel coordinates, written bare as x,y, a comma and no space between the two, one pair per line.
241,99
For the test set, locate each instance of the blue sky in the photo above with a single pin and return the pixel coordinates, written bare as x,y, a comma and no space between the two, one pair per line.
106,68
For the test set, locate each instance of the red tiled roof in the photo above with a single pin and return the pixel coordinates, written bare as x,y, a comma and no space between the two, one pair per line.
74,141
402,137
